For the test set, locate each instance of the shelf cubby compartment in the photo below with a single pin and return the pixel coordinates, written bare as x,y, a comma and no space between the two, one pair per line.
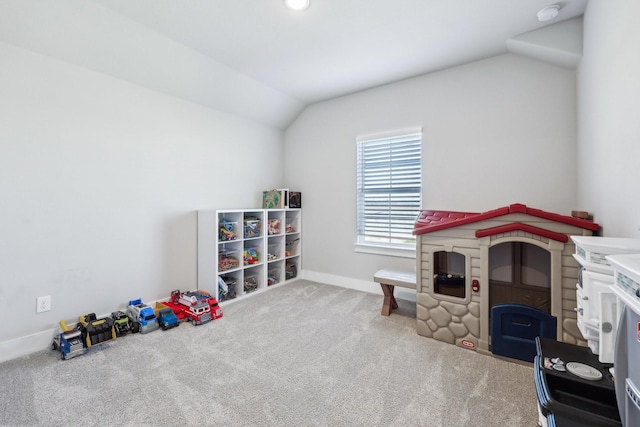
252,253
253,279
252,225
275,223
232,283
292,246
229,226
229,259
291,268
275,249
227,230
291,223
274,274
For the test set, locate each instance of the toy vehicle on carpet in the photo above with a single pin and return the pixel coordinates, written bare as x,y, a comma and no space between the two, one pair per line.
96,331
68,342
123,325
166,317
194,306
143,314
216,311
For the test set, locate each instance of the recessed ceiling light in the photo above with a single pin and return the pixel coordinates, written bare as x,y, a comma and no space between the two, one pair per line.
548,13
297,4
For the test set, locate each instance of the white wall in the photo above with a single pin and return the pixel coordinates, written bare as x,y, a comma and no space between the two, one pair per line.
496,132
609,117
95,37
99,183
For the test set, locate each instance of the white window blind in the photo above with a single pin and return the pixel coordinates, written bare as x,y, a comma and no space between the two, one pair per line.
389,186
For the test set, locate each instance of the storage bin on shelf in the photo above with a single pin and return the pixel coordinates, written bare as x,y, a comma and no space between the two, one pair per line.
291,247
228,260
227,230
274,226
291,269
230,283
252,226
251,256
273,252
273,278
251,284
291,225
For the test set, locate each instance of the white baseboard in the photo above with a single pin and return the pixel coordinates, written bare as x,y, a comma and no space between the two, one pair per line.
356,284
22,346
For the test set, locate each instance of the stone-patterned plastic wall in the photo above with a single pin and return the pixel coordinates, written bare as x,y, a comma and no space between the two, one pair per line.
447,321
454,321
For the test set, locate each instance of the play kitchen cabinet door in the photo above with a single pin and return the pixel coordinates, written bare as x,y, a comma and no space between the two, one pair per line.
241,251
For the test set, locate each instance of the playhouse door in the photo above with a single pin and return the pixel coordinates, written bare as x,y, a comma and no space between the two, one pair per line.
514,328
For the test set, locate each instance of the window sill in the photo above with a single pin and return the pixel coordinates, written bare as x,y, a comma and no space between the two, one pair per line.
384,250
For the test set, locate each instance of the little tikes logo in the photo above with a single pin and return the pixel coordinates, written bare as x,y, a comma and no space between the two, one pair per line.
472,345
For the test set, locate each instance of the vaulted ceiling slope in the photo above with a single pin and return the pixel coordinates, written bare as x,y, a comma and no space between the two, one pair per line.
257,59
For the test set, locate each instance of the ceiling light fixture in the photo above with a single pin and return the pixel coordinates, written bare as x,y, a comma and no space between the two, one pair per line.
548,13
298,5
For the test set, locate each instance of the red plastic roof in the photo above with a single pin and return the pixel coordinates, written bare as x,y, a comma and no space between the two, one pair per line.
429,221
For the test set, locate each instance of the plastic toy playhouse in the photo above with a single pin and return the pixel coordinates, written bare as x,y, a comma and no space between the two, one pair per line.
493,281
537,286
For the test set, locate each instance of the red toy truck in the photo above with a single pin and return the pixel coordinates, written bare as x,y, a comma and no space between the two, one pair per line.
188,306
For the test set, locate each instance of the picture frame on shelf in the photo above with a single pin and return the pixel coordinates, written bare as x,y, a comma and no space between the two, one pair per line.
295,200
273,199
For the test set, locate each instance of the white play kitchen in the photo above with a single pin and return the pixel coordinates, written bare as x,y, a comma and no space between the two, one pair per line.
627,353
596,385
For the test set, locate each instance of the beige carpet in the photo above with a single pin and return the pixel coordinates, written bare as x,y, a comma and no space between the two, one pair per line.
300,354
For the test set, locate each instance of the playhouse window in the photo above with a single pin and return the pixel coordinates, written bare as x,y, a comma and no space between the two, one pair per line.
449,274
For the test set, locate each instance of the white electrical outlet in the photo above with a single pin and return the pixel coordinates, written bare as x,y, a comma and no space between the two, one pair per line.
43,304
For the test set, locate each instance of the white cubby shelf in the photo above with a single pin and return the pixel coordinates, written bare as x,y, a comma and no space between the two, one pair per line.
251,250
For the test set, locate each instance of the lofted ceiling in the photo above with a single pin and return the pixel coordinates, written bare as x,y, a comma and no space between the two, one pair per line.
266,61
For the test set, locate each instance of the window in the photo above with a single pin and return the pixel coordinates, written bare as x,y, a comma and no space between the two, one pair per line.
389,190
449,269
